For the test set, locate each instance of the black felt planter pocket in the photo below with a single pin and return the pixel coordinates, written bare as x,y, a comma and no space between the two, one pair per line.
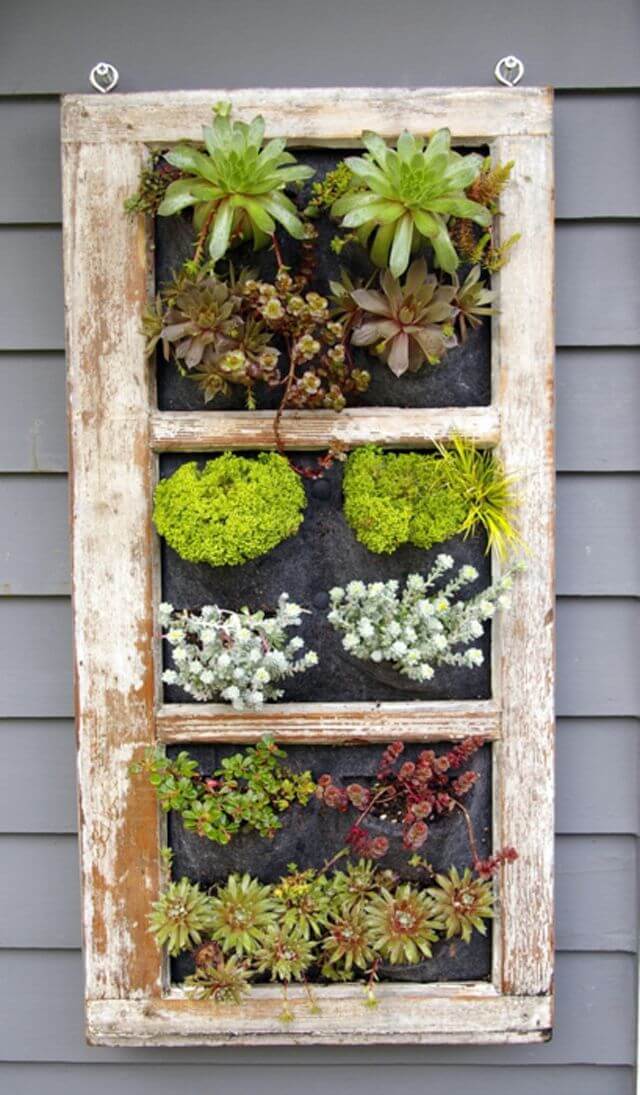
325,553
462,379
311,835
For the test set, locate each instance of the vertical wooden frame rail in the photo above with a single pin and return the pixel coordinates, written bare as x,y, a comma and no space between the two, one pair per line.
116,433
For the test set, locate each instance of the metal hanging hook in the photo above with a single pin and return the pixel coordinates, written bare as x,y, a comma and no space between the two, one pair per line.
509,70
104,77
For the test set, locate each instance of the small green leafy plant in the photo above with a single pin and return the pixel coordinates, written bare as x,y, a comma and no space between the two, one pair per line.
411,191
236,186
251,790
426,498
231,510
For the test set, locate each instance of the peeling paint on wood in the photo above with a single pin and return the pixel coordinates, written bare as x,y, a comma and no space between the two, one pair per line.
115,432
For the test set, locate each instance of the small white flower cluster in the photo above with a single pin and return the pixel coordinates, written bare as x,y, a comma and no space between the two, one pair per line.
239,657
417,629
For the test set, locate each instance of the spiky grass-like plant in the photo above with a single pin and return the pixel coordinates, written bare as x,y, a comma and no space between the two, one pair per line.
410,193
402,925
181,916
225,982
488,492
462,903
407,324
235,186
242,912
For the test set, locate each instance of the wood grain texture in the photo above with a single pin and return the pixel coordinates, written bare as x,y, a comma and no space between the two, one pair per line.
106,286
319,115
191,431
524,646
455,1014
115,588
339,723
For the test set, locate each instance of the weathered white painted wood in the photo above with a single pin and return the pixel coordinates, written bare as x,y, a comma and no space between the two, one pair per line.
310,115
192,431
404,1014
523,645
337,723
106,286
113,464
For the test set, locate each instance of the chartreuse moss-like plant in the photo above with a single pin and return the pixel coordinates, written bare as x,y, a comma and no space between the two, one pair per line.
397,498
426,498
410,193
236,186
250,790
231,510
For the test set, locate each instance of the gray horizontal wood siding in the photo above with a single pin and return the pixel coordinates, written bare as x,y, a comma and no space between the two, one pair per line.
570,44
166,1079
582,46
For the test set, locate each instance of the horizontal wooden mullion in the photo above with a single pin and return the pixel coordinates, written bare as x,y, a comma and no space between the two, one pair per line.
331,724
196,431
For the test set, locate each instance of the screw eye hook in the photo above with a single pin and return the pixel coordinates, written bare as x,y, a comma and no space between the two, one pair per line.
509,70
104,77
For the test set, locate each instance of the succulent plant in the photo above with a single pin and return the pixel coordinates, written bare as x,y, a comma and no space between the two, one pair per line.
242,912
462,903
410,193
225,981
472,301
407,324
346,944
235,186
304,899
209,328
181,916
402,925
284,954
357,881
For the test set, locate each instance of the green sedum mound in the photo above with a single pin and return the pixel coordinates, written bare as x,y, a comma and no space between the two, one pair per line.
398,498
232,510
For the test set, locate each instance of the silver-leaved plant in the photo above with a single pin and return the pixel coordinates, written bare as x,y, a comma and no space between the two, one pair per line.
237,657
419,627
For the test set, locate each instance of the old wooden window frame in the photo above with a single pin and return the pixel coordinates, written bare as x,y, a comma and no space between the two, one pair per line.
116,435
